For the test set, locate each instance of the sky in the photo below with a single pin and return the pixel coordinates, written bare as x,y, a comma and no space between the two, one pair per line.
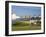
26,10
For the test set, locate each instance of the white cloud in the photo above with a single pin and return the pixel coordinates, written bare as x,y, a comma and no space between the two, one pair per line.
14,16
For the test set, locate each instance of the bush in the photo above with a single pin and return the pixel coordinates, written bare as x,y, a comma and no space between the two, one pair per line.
18,23
38,23
32,24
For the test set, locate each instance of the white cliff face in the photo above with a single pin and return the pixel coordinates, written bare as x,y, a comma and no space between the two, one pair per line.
14,17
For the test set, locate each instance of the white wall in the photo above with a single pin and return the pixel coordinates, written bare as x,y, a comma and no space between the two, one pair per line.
2,18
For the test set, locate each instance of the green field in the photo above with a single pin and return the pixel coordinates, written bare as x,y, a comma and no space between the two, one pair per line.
25,25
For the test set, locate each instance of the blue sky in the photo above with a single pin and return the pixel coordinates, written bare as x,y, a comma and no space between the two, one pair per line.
26,10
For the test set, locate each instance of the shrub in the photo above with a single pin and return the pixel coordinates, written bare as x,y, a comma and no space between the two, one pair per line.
32,24
18,23
38,23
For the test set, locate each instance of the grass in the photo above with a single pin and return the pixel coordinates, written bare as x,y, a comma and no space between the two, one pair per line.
25,25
